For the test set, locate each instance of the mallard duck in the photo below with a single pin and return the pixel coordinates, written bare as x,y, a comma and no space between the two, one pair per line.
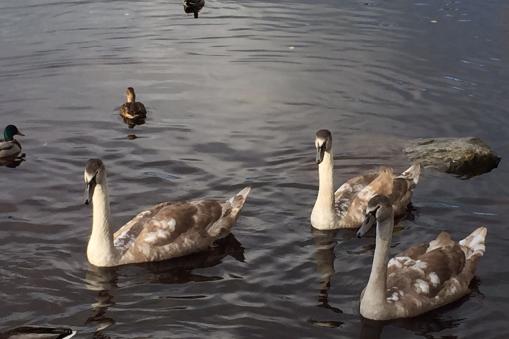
166,230
423,277
10,147
345,208
193,6
132,109
31,332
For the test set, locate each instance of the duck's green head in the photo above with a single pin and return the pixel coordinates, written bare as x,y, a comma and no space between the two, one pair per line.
10,131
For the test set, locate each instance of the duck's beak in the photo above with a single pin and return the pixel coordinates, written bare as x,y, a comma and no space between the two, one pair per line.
19,133
320,151
369,221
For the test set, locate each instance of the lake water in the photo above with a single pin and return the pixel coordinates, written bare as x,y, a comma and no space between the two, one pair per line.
235,98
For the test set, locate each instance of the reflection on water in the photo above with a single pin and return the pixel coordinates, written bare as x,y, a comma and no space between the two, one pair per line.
426,325
12,162
325,243
131,123
104,280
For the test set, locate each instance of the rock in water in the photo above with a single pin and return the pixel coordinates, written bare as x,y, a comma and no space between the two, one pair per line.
466,157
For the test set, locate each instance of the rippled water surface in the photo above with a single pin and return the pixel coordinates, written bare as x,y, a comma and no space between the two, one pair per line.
235,97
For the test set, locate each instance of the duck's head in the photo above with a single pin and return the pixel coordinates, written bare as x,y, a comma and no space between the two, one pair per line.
323,143
10,131
95,173
130,95
379,211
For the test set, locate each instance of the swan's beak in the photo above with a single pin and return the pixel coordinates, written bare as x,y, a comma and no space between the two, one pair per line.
320,151
87,194
89,191
369,221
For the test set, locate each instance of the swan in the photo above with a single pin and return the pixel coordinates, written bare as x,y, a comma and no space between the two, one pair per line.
166,230
423,277
345,208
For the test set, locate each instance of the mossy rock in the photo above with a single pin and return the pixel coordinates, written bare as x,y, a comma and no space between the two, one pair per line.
465,157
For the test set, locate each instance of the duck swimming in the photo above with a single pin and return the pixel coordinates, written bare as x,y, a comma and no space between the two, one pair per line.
345,208
423,277
132,109
166,230
32,332
193,6
10,147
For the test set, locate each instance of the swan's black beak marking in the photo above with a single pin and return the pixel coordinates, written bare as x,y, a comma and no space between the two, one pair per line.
89,191
369,221
320,151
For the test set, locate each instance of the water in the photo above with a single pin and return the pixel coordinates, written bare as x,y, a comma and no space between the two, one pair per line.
235,98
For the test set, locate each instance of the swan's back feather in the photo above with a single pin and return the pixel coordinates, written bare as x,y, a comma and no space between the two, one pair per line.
170,230
353,196
431,275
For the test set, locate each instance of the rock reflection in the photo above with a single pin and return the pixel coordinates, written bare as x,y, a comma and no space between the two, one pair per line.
174,271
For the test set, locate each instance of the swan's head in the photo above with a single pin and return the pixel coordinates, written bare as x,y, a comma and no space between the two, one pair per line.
95,173
379,211
10,131
130,95
323,143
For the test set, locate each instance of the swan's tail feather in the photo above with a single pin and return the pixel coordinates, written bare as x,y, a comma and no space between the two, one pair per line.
412,173
231,209
239,199
474,244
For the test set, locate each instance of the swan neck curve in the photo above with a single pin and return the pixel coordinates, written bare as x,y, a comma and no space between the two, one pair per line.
100,250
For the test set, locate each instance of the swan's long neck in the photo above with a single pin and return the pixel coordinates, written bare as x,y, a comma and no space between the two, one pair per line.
375,292
323,215
100,250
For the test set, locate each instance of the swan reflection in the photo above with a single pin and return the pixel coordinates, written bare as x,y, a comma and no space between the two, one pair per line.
105,281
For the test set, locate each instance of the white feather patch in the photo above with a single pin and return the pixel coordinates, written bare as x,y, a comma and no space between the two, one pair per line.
421,286
394,297
434,279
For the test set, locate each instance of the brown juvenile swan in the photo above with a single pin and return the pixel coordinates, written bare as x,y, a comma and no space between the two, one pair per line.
345,208
423,277
166,230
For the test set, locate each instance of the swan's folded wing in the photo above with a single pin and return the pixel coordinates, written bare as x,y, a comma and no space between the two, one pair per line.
191,219
427,274
414,251
132,229
346,193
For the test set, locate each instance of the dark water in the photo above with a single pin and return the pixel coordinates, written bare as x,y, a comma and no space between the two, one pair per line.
235,97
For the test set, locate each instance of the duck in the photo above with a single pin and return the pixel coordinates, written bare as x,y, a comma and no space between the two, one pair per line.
423,277
132,109
10,147
32,332
345,207
164,231
193,6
